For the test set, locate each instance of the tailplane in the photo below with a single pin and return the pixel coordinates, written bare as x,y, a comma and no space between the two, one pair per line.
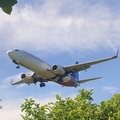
86,80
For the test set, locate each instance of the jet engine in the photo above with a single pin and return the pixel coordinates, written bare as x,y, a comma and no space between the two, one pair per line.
27,78
58,69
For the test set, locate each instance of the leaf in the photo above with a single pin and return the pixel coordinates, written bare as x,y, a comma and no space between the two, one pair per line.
7,3
7,10
58,97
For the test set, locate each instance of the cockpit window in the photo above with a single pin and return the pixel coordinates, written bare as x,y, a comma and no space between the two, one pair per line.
16,49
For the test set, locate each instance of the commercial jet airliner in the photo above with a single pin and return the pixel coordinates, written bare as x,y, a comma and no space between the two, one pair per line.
44,72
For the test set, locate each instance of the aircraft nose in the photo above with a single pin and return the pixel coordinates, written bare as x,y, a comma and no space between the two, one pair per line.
13,53
9,52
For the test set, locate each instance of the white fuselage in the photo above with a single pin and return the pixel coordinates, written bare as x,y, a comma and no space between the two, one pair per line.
39,66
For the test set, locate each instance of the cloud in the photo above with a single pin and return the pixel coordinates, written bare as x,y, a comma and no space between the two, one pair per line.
58,26
11,110
109,89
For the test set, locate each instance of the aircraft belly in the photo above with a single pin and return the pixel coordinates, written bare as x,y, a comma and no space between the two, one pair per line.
38,67
33,67
31,64
45,74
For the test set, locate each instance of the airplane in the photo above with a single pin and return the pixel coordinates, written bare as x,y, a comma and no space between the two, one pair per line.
44,72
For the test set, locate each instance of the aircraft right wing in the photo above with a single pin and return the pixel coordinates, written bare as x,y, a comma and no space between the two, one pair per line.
83,66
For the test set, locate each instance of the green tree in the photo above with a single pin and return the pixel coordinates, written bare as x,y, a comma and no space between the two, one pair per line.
110,109
79,108
6,5
33,111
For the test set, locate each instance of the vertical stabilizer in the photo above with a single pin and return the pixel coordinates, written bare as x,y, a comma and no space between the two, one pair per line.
76,75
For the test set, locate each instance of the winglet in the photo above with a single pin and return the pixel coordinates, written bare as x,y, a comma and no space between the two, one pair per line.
11,82
116,54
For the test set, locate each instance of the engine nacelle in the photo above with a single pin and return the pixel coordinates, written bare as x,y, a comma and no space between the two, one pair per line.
27,78
58,70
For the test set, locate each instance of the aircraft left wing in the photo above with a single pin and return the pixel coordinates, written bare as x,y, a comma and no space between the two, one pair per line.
84,66
18,82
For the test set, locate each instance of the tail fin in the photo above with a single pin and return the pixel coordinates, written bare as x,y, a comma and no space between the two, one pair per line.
76,75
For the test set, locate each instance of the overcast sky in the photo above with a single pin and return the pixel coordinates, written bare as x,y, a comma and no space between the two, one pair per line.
59,32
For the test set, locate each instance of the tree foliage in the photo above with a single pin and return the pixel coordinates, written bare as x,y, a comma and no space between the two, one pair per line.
6,5
0,106
79,108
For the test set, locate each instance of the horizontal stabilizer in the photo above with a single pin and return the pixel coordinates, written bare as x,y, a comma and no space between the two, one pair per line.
86,80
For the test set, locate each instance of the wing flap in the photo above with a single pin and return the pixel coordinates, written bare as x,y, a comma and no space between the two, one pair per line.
86,80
